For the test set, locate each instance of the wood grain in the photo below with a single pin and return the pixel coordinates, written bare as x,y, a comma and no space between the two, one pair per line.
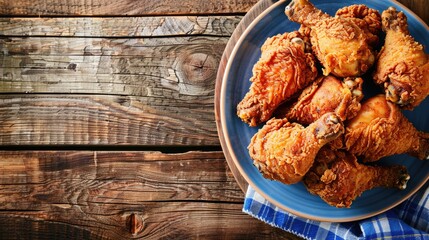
190,220
96,195
105,120
121,7
164,67
154,91
104,177
120,26
147,7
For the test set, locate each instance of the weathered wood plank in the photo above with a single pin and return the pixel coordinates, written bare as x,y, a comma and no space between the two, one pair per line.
96,194
122,7
164,67
84,46
148,7
120,26
166,220
126,178
173,79
105,120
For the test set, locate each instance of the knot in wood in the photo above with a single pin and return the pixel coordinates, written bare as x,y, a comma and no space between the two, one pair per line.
196,68
134,223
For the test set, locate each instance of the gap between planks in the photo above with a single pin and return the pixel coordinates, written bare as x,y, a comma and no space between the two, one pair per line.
105,148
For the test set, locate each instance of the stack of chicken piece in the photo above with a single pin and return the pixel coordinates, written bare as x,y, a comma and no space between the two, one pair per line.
315,123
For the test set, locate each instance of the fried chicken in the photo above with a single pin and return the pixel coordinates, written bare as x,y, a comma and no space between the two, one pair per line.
380,129
283,69
285,151
326,94
344,44
339,179
402,67
368,19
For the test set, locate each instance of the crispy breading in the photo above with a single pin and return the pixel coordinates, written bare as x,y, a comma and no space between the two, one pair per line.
338,178
285,151
380,129
344,44
283,69
326,94
402,67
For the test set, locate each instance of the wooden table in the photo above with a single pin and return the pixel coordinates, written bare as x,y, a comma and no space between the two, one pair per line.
107,123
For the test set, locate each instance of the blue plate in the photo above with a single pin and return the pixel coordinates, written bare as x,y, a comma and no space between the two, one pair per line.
295,198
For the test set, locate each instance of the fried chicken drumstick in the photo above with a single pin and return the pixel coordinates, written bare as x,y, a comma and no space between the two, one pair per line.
380,129
283,69
326,94
343,44
285,151
339,179
402,67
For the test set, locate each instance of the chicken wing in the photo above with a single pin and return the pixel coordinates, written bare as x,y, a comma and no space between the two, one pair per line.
380,129
339,179
283,69
402,67
343,45
285,151
326,94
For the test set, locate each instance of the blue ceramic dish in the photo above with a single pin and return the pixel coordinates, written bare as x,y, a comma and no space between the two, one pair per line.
295,198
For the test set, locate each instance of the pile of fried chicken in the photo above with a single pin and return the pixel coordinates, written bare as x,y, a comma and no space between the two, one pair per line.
316,129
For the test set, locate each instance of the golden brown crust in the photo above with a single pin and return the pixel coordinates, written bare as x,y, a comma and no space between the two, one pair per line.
327,94
342,47
304,12
283,69
285,151
366,18
380,129
343,44
339,179
402,67
394,20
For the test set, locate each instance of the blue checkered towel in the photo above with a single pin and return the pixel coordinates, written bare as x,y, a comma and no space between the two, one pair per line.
409,220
